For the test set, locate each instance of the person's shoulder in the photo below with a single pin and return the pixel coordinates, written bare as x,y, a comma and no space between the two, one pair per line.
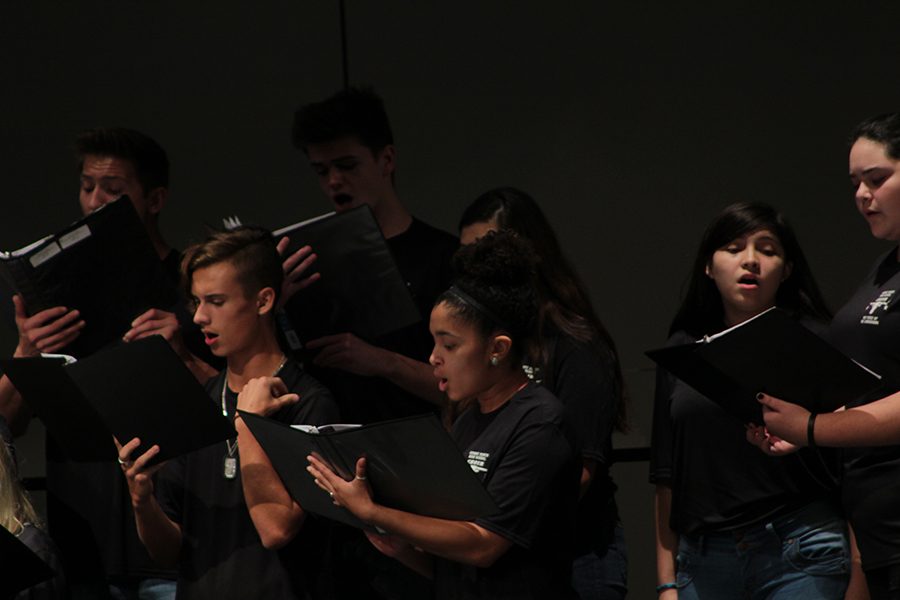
816,325
537,403
298,380
680,337
317,405
567,345
422,231
38,541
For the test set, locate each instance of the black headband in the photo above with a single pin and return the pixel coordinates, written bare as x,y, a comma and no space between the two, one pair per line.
479,307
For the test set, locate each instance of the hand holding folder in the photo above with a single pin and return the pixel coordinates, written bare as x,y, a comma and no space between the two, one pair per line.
137,390
104,265
412,465
359,288
771,353
296,267
46,331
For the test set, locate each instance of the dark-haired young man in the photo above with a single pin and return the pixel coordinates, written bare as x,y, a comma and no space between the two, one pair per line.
87,502
221,514
112,162
350,146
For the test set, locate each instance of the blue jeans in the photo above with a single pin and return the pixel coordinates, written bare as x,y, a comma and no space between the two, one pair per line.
145,589
603,575
803,554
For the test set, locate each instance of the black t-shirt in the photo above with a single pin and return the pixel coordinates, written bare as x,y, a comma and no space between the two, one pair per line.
583,377
719,481
221,555
422,254
867,329
523,454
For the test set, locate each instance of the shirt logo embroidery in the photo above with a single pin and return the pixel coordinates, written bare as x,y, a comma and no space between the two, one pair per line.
881,303
477,461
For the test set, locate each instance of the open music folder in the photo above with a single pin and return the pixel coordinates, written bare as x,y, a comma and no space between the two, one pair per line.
360,290
104,265
412,464
772,353
139,389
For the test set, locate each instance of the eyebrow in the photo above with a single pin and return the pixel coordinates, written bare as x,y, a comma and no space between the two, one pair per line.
870,169
334,160
104,178
443,333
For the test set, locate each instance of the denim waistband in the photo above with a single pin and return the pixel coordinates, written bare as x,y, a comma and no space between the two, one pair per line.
815,514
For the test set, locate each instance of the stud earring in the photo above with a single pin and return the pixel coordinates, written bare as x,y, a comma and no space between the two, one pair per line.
495,361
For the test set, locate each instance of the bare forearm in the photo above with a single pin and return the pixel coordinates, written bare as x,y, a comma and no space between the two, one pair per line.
415,377
418,561
666,539
875,424
459,541
12,408
274,513
857,588
588,468
159,534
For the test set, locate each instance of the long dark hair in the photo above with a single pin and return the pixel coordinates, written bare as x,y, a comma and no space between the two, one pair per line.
564,304
701,311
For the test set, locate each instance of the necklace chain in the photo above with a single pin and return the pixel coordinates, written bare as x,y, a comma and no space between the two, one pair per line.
225,384
230,466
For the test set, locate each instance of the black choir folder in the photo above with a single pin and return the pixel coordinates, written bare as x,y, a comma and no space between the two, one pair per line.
771,353
139,389
103,264
360,290
22,568
412,465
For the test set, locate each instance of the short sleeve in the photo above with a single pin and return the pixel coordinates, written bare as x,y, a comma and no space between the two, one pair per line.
584,379
662,437
315,407
535,470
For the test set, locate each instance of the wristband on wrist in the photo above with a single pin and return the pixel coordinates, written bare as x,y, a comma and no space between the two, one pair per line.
666,586
811,430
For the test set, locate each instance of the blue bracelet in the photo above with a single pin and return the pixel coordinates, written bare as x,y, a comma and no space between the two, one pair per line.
666,586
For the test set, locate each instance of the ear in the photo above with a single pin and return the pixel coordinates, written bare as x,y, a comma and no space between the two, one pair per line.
265,301
499,347
708,270
156,200
387,160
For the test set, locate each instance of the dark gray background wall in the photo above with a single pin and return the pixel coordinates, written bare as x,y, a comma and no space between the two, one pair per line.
631,123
